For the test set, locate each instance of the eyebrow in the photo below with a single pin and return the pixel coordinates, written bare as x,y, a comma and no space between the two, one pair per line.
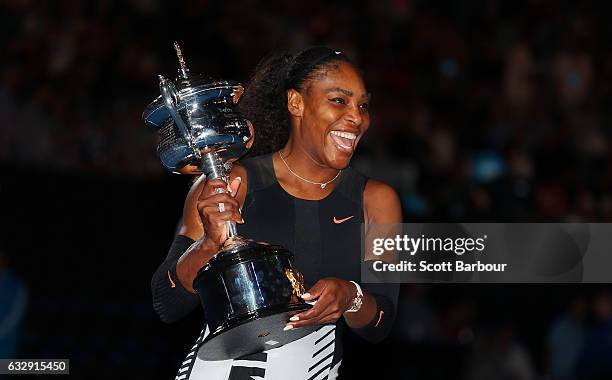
368,96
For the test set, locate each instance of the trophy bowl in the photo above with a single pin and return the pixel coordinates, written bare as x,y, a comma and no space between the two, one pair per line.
249,289
207,109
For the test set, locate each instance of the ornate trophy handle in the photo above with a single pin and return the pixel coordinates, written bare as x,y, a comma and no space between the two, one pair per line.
170,96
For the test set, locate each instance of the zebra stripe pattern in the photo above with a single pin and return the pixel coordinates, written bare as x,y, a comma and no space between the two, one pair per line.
187,365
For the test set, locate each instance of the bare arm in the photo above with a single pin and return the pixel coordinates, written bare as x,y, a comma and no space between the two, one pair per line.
381,206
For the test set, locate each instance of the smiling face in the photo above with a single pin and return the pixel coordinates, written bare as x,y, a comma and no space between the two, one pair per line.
330,115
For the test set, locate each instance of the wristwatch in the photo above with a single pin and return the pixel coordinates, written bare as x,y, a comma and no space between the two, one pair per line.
357,301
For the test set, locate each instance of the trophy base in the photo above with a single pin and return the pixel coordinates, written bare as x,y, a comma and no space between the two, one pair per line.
263,330
249,290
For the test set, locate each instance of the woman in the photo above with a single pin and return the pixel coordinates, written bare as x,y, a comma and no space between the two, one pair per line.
309,110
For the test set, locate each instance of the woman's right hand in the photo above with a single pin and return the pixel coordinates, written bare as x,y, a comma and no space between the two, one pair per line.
213,219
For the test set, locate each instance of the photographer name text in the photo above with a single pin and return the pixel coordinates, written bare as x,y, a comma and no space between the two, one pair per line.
446,266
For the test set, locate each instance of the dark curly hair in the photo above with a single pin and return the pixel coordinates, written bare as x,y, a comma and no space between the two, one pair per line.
264,101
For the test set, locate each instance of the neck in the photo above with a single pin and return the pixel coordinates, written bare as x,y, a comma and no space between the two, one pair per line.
303,164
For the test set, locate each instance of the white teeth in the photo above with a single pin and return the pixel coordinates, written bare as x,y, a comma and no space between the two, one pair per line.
346,135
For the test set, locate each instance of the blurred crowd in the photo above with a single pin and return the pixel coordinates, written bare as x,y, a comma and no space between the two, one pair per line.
13,305
469,338
500,107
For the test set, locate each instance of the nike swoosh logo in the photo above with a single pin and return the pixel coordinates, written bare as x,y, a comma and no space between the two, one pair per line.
338,221
172,284
379,318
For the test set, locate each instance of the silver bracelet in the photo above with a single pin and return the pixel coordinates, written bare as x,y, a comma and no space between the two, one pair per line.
357,301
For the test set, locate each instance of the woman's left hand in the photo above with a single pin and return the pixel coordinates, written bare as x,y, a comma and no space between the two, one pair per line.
335,296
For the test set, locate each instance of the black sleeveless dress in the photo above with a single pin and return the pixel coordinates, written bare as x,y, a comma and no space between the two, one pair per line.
325,237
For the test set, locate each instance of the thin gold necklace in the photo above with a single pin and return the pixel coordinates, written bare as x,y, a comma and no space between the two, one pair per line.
322,184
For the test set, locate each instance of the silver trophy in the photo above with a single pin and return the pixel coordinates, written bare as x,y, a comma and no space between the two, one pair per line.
249,289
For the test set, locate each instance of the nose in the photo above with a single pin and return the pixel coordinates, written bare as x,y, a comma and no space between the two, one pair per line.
353,115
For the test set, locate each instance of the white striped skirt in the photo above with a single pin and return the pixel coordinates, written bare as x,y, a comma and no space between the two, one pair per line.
308,358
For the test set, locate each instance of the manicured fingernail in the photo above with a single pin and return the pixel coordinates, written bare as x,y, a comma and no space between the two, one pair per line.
239,179
306,295
288,327
295,318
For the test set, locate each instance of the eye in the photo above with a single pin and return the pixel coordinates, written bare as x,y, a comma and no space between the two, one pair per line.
338,100
364,106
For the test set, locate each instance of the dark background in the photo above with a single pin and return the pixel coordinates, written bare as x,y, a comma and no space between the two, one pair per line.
482,111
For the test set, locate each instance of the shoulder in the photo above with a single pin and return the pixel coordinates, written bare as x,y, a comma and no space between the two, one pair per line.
381,203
